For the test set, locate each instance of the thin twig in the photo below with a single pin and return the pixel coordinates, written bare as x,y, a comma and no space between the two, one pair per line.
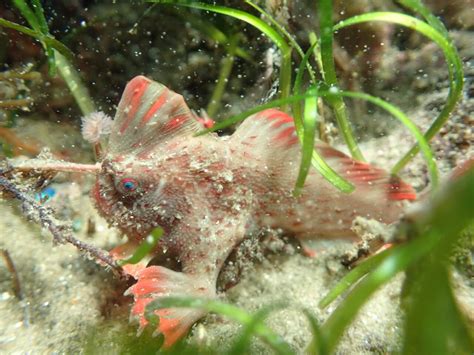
15,103
10,75
19,145
61,233
17,289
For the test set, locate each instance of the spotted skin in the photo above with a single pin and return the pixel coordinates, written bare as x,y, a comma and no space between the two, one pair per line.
208,192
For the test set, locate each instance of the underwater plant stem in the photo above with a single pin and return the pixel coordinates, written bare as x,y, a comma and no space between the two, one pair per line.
290,38
431,232
57,53
61,233
16,284
29,75
226,68
211,31
7,135
235,313
35,18
285,78
15,103
44,39
28,14
297,112
19,28
306,135
329,75
145,247
398,260
398,114
352,277
313,38
451,56
73,81
270,32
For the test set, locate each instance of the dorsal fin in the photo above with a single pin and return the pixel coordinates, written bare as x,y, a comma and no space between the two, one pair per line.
149,114
267,129
270,134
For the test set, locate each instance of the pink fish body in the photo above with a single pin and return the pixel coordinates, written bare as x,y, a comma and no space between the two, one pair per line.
208,192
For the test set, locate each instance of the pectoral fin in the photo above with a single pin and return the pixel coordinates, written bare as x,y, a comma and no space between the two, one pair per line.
157,281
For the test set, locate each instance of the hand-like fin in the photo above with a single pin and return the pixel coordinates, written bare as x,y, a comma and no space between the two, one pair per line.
149,114
157,281
126,250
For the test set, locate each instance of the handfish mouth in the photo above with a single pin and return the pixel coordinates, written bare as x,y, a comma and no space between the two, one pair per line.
54,166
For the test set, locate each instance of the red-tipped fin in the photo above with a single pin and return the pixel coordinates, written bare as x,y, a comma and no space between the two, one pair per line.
126,250
269,129
400,190
365,175
271,134
149,114
157,281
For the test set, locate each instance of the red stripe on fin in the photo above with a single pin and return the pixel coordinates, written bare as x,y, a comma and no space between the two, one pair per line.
329,152
366,175
176,122
292,140
155,107
155,282
279,123
148,116
267,135
285,134
399,190
273,114
134,91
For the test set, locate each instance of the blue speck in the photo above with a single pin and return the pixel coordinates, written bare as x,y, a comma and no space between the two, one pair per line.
45,195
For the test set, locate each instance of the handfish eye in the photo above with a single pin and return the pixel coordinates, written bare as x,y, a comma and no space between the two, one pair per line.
128,184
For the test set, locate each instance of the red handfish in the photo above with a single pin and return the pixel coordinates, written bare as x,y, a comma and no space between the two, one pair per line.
208,192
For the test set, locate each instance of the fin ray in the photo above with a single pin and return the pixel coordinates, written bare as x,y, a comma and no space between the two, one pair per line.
157,281
271,136
366,175
149,115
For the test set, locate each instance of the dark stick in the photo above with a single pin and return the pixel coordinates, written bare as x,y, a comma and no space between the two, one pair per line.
17,290
11,267
61,234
